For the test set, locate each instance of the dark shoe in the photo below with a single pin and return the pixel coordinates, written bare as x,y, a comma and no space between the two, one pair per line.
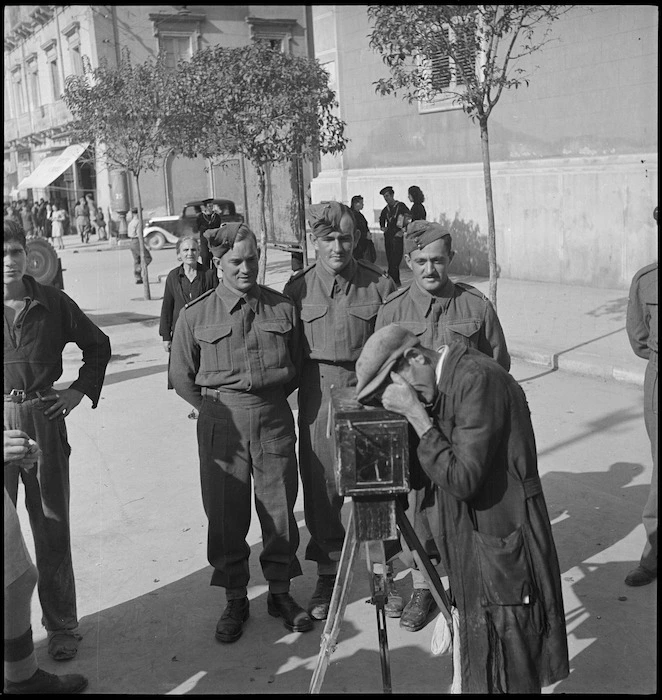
416,612
43,683
229,627
139,281
395,602
639,577
319,603
296,619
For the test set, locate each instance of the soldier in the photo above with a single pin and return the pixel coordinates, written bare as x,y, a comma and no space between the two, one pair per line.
642,332
338,298
438,312
234,356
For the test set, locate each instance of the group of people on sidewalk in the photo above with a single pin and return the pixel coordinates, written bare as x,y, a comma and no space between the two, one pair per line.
433,351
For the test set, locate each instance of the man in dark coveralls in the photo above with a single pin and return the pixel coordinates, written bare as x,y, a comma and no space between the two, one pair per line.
392,223
641,325
338,298
39,322
476,443
438,311
234,356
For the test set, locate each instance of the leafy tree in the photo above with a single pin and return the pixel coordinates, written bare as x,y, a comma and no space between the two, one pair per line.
252,100
127,109
411,38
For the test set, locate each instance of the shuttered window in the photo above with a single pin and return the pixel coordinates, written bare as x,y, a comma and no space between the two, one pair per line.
450,72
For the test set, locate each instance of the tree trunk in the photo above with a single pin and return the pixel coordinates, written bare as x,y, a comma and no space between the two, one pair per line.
141,242
262,268
491,230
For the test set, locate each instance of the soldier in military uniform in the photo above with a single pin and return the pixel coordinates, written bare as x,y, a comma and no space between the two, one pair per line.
234,356
641,325
438,311
338,298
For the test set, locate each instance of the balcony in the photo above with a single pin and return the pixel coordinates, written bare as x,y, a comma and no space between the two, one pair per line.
42,120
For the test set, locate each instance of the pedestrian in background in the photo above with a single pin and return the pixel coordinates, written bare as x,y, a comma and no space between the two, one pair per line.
439,312
22,673
27,220
101,225
92,211
234,358
337,298
48,222
642,330
132,230
416,197
206,219
40,321
492,527
58,218
82,215
392,222
183,284
364,248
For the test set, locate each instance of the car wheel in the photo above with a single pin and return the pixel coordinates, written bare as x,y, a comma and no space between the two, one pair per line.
155,241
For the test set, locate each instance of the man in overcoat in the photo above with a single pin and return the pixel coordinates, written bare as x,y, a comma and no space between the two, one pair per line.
476,443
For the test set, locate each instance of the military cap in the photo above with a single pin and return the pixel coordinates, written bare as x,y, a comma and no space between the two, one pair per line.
222,239
380,353
421,233
325,218
386,190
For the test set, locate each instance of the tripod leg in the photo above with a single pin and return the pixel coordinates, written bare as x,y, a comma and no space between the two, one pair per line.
337,606
375,555
424,564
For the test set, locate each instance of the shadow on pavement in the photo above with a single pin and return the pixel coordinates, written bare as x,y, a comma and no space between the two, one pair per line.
124,375
120,318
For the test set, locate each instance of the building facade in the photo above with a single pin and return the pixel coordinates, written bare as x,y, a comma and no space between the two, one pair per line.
46,43
574,154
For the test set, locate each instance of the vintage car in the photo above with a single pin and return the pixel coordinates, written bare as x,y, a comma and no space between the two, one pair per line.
160,230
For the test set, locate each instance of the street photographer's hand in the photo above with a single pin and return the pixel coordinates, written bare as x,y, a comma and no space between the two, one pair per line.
401,398
62,403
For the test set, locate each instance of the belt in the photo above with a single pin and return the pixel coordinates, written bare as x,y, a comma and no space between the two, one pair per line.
19,395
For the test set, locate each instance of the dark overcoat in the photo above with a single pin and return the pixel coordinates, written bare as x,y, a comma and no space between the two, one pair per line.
493,529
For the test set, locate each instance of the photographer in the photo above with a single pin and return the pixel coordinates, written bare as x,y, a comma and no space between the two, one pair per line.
476,443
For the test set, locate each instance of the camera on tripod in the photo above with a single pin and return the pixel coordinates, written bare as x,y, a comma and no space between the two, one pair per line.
372,462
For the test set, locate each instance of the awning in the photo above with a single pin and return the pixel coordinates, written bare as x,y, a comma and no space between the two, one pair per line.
52,167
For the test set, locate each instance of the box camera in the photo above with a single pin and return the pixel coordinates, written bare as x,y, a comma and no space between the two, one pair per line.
372,461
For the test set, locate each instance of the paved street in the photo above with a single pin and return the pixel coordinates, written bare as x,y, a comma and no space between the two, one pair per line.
139,533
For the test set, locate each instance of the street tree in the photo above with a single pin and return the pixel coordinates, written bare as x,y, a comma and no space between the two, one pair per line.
268,106
466,53
125,110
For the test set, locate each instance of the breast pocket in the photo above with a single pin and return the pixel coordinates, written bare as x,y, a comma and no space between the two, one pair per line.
215,347
314,322
361,321
273,342
467,332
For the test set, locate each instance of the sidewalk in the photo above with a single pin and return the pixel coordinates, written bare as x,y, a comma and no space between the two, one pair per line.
572,328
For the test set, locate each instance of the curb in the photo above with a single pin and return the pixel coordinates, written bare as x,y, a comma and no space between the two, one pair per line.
574,365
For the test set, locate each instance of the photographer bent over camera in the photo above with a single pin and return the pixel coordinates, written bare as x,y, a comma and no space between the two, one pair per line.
476,443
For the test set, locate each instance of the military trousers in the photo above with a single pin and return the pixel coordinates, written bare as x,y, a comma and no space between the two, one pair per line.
242,436
322,504
649,515
47,503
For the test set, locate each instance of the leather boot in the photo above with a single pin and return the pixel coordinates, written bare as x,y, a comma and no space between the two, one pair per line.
295,618
229,627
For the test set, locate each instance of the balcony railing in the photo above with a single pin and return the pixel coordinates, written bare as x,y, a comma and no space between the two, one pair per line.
41,119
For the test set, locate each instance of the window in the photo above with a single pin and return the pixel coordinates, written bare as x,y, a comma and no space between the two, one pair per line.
72,33
55,77
33,82
450,73
17,82
177,47
276,33
76,60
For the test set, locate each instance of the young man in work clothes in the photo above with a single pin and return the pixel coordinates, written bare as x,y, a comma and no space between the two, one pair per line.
476,443
39,322
234,355
338,298
437,311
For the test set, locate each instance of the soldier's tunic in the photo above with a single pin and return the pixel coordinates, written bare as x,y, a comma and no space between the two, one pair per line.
642,330
460,313
338,314
234,358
